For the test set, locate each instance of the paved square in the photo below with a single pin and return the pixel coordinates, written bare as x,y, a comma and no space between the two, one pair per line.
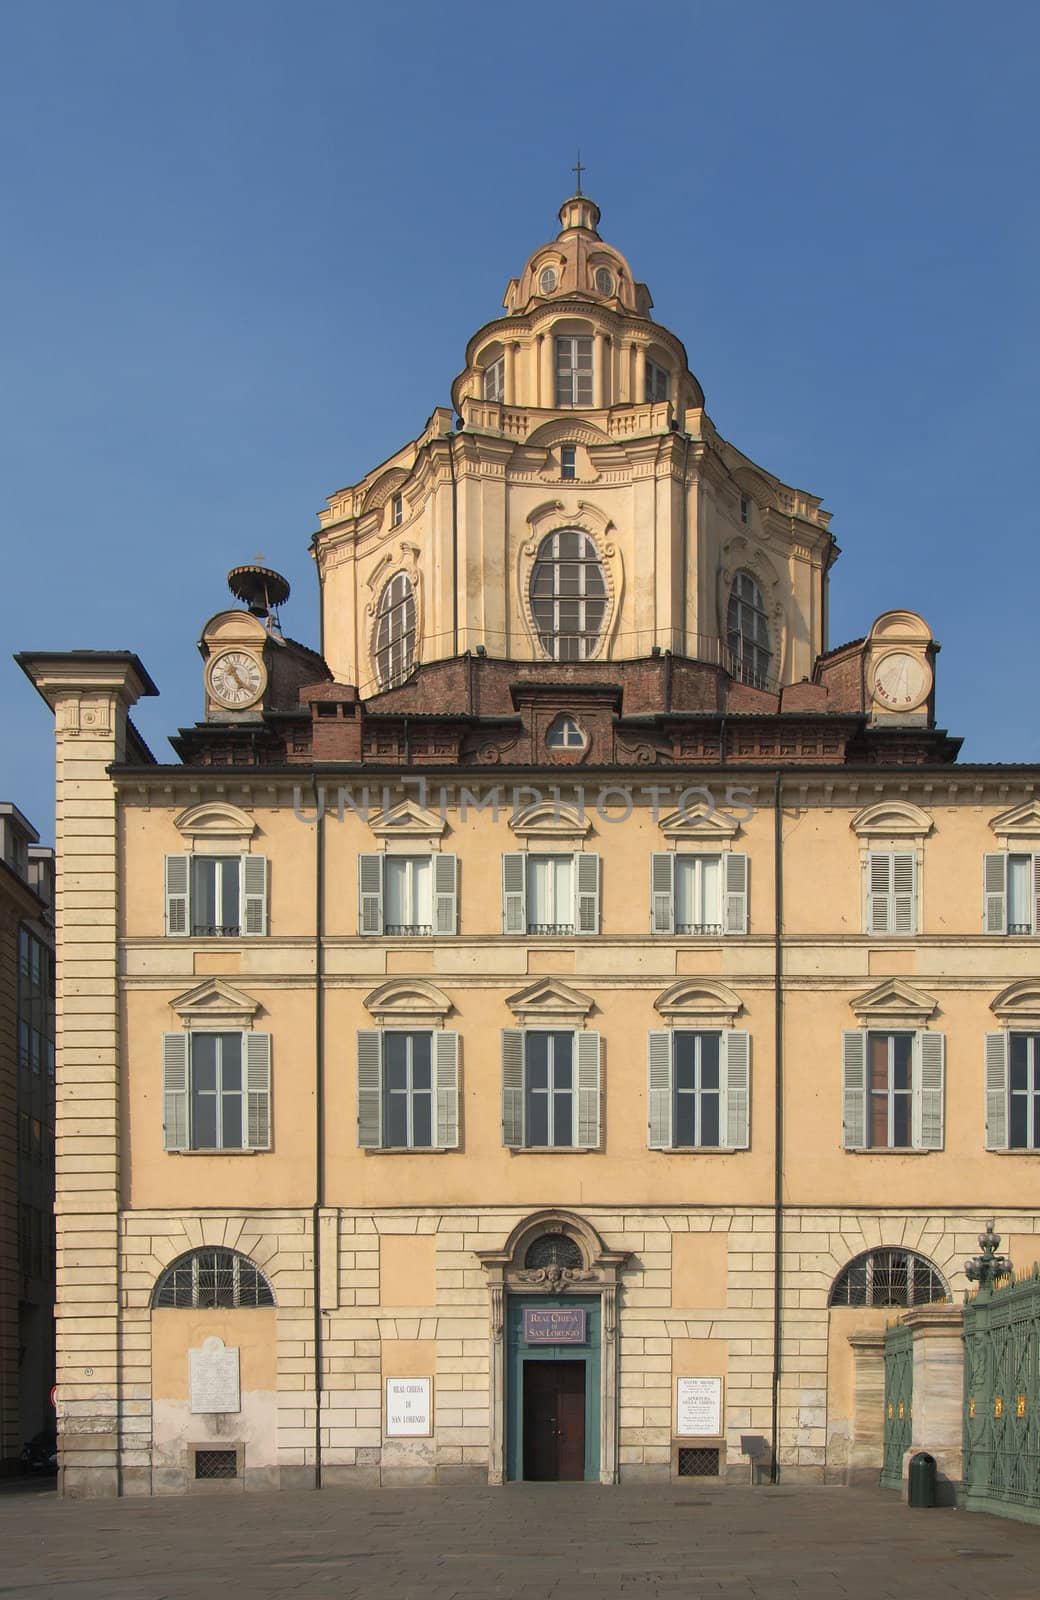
529,1541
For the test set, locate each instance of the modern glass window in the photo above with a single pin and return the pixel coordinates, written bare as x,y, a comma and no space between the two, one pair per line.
573,370
565,733
547,280
748,632
889,1278
215,896
550,1089
889,1057
208,1279
407,1091
568,595
408,895
395,632
604,280
494,381
658,383
396,510
568,461
216,1090
550,894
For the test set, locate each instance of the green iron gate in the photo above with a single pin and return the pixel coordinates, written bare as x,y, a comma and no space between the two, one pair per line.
1002,1400
899,1403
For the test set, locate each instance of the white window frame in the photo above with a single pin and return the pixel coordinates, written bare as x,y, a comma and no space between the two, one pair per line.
568,461
747,622
996,892
734,1088
573,368
734,897
395,631
493,381
999,1093
585,640
396,510
179,881
585,891
891,893
927,1089
658,383
372,897
585,1089
179,1094
372,1091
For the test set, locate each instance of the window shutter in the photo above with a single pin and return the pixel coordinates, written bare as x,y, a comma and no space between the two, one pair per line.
879,891
253,881
257,1050
1036,892
177,871
735,895
659,1089
736,1086
175,1090
586,892
370,894
370,1088
997,1075
994,892
904,892
854,1088
446,1083
514,892
445,879
588,1052
929,1058
662,892
513,1088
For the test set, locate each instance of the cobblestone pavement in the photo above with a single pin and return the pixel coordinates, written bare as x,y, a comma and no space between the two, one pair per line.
528,1541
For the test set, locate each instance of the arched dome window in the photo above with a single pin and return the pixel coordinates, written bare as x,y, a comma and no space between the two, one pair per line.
395,632
206,1278
748,632
568,595
889,1278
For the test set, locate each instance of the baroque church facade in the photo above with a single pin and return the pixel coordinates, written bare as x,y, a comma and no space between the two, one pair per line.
546,1032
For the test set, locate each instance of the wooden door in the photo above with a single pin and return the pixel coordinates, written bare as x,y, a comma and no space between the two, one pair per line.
554,1420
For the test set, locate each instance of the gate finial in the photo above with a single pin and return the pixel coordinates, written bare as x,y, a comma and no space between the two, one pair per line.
986,1267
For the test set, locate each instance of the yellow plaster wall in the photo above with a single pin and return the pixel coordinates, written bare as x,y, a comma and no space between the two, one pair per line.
407,1270
700,1270
174,1333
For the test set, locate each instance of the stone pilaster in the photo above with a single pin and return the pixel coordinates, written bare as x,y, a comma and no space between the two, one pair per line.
90,693
938,1409
866,1453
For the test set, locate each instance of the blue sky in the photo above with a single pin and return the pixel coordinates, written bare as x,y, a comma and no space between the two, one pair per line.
245,243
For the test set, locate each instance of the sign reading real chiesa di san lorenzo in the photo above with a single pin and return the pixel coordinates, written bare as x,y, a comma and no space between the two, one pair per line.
545,1034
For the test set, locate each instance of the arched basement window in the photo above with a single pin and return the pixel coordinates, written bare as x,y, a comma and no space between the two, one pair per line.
554,1250
395,632
208,1278
568,595
889,1278
748,632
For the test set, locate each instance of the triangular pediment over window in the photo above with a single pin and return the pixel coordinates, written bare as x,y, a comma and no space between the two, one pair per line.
699,1003
547,820
408,820
892,819
1019,1004
894,1004
408,1000
1023,822
216,1003
218,821
699,821
550,1001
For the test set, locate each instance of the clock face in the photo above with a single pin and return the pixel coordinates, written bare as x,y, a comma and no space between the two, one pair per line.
236,678
901,681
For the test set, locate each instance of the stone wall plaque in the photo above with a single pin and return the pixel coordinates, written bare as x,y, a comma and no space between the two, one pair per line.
213,1379
554,1325
698,1407
408,1410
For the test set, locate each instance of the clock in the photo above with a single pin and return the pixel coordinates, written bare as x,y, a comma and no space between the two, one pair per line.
236,679
901,681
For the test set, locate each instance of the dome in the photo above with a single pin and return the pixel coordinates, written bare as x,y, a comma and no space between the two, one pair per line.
578,265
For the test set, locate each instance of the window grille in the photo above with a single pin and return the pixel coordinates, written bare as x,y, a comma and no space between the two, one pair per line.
748,632
568,595
554,1250
216,1464
889,1278
698,1462
395,632
205,1279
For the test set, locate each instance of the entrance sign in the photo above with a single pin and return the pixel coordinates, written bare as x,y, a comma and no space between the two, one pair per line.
698,1407
213,1377
408,1407
554,1325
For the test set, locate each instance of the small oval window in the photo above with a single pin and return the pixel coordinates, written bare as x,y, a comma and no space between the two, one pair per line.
547,280
604,280
565,733
395,632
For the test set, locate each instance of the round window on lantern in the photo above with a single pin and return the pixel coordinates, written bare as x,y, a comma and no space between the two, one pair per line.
547,280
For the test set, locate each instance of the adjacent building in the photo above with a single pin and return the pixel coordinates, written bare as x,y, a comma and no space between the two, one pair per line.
544,1033
26,1135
